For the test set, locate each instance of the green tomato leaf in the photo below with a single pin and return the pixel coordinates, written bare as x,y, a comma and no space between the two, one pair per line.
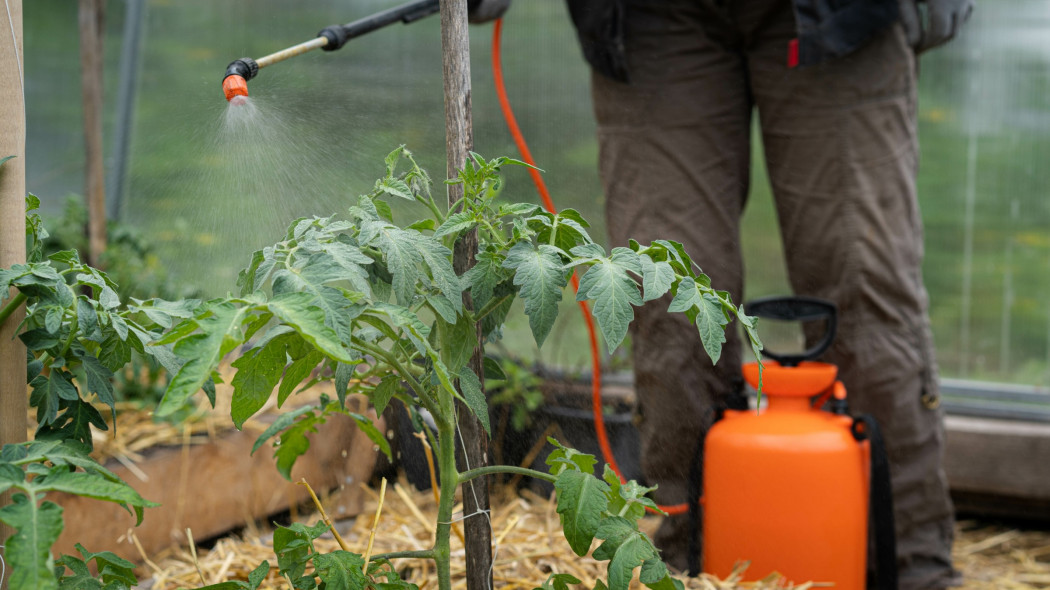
654,575
221,332
256,577
73,423
705,310
91,485
58,452
373,434
341,570
423,225
99,378
558,582
563,457
343,374
294,442
539,274
442,307
81,578
39,339
517,209
87,320
657,277
625,547
28,551
456,223
404,252
298,310
384,391
48,391
283,421
114,571
627,499
613,292
114,352
296,373
493,369
474,395
482,278
392,158
456,342
162,312
395,187
582,498
293,546
258,372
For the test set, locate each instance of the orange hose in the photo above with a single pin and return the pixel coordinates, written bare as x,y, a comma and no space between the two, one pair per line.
548,204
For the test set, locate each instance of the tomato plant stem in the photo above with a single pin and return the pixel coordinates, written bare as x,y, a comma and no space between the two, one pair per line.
449,481
11,306
492,469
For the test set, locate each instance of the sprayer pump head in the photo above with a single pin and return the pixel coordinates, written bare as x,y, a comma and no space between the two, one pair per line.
235,81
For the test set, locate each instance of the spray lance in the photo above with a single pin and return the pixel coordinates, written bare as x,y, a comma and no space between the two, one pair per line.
330,38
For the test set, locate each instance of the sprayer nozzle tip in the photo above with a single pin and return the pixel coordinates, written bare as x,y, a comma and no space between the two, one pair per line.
234,86
239,100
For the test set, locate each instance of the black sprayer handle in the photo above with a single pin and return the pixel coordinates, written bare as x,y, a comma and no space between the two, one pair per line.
797,309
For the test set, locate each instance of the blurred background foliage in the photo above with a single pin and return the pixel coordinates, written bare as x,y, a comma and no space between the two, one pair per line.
205,189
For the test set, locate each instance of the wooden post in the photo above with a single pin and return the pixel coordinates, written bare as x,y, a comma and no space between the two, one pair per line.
92,34
12,227
459,140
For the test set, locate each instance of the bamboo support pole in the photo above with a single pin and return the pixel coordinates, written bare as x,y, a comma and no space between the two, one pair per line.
92,34
459,140
12,225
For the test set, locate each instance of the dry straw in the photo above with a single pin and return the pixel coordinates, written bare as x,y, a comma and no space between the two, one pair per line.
531,546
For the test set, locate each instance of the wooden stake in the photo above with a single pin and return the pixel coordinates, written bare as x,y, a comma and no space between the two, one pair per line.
459,140
12,229
92,34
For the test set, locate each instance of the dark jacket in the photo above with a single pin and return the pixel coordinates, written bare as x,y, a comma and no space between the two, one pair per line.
826,29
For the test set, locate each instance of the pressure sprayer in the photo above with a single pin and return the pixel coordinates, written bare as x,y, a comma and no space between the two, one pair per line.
800,488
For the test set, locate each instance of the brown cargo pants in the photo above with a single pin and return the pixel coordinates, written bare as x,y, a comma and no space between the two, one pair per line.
841,149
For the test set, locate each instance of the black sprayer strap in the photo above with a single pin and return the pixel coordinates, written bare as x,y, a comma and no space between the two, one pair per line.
882,536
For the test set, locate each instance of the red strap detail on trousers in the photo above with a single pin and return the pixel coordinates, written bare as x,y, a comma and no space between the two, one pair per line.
792,60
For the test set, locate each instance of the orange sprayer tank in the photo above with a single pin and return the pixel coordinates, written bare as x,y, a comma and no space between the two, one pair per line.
787,488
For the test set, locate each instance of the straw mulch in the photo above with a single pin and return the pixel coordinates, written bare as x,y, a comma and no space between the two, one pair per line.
995,557
529,546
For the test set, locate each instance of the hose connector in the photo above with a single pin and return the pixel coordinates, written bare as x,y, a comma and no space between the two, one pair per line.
244,67
336,35
235,81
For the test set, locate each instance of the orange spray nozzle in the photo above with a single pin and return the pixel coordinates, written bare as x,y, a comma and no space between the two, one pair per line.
235,80
234,85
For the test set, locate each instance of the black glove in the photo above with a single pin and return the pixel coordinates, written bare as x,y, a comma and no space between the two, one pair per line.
483,11
935,22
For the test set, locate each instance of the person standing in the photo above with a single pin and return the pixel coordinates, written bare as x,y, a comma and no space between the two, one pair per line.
675,86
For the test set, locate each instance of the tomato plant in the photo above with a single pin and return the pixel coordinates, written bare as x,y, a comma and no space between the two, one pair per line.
77,332
376,308
374,305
